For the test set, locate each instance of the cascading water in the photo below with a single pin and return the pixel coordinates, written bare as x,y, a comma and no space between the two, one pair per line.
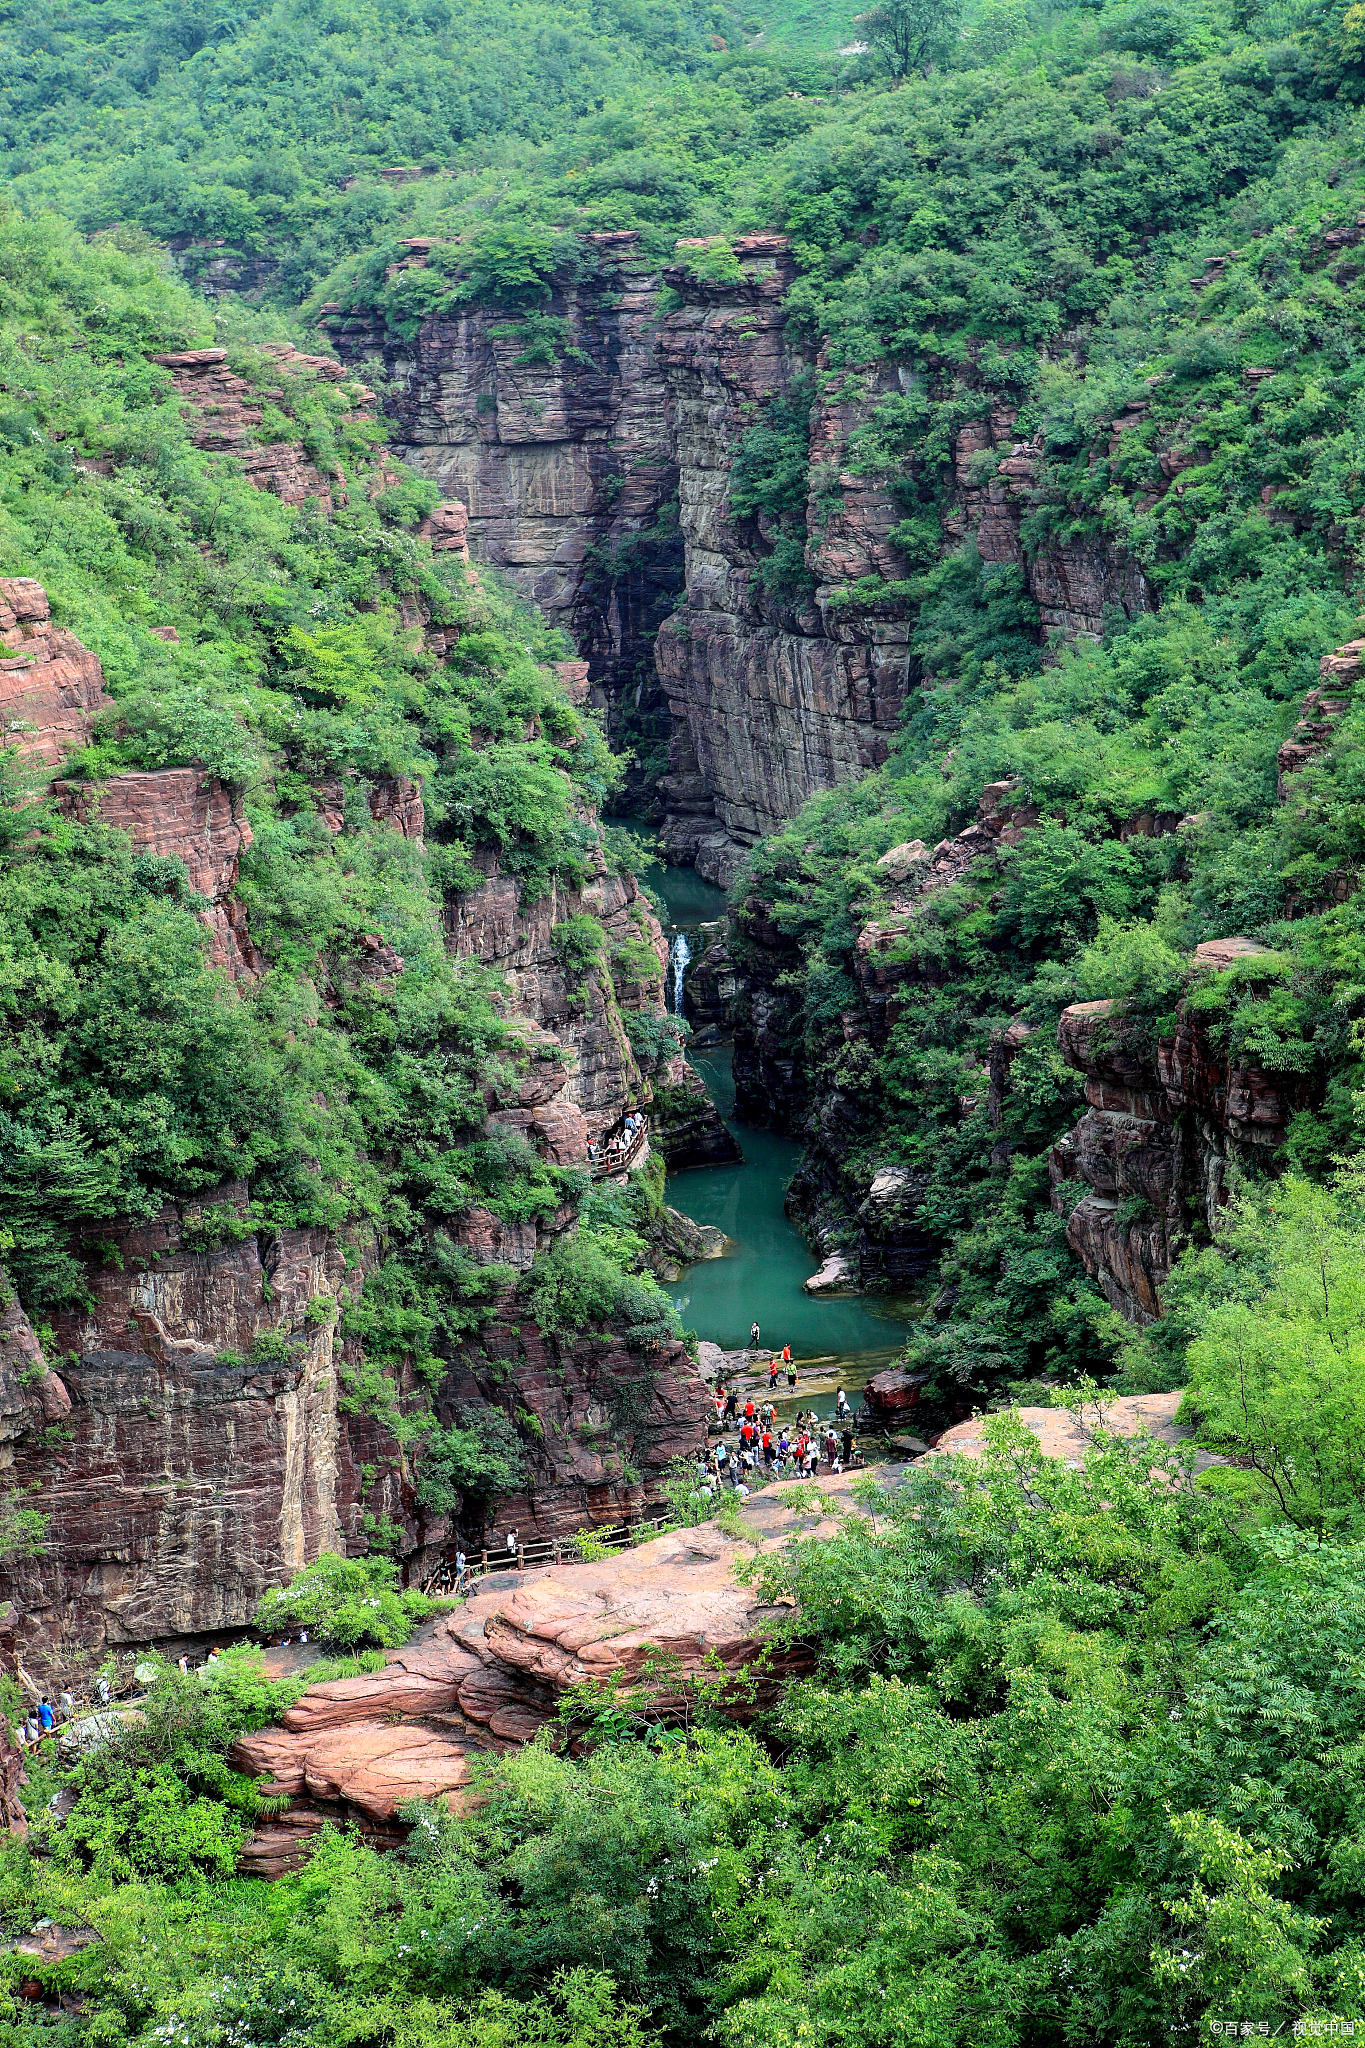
678,960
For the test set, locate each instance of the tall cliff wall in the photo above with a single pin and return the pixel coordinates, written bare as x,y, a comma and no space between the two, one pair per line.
563,457
597,469
599,480
197,1432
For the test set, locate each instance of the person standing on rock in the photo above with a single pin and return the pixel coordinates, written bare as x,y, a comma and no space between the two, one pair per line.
841,1407
511,1546
460,1569
731,1405
68,1703
753,1338
772,1373
791,1374
786,1354
847,1441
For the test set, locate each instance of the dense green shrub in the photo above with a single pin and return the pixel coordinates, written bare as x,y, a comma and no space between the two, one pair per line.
346,1602
478,1454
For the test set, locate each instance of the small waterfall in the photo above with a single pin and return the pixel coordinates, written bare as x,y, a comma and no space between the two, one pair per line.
678,959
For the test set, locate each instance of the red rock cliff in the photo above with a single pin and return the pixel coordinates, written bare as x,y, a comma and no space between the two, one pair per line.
1167,1118
207,1443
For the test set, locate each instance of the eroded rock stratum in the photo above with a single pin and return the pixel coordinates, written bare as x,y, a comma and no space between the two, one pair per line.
196,1436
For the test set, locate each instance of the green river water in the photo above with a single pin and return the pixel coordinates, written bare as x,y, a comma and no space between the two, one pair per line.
760,1278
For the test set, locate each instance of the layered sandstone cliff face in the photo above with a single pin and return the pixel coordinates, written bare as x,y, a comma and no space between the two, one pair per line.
769,703
565,465
1168,1123
50,686
231,411
198,1462
599,482
202,1438
597,471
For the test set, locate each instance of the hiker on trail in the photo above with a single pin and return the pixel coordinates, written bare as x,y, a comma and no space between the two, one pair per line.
847,1441
786,1354
731,1405
102,1689
33,1728
831,1447
68,1703
749,1409
791,1374
753,1338
772,1372
511,1543
459,1571
182,1665
46,1715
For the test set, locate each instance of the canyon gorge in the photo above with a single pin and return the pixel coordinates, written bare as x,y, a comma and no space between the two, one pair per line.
665,669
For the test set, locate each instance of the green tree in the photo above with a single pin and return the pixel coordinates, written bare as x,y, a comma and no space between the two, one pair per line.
1278,1375
908,34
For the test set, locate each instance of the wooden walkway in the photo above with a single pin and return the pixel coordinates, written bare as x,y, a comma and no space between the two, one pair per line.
559,1550
622,1159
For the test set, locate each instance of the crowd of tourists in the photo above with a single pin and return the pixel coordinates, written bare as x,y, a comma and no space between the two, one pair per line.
755,1447
608,1151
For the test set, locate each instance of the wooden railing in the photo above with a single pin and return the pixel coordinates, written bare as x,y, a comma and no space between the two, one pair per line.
557,1550
622,1158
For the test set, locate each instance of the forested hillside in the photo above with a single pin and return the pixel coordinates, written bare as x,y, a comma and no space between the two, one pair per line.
919,459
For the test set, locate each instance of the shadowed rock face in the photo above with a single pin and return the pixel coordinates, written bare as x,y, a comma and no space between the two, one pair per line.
565,466
1150,1155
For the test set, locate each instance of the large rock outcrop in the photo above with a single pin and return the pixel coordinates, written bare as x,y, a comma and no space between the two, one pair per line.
50,685
659,1620
1168,1118
489,1676
1068,1433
